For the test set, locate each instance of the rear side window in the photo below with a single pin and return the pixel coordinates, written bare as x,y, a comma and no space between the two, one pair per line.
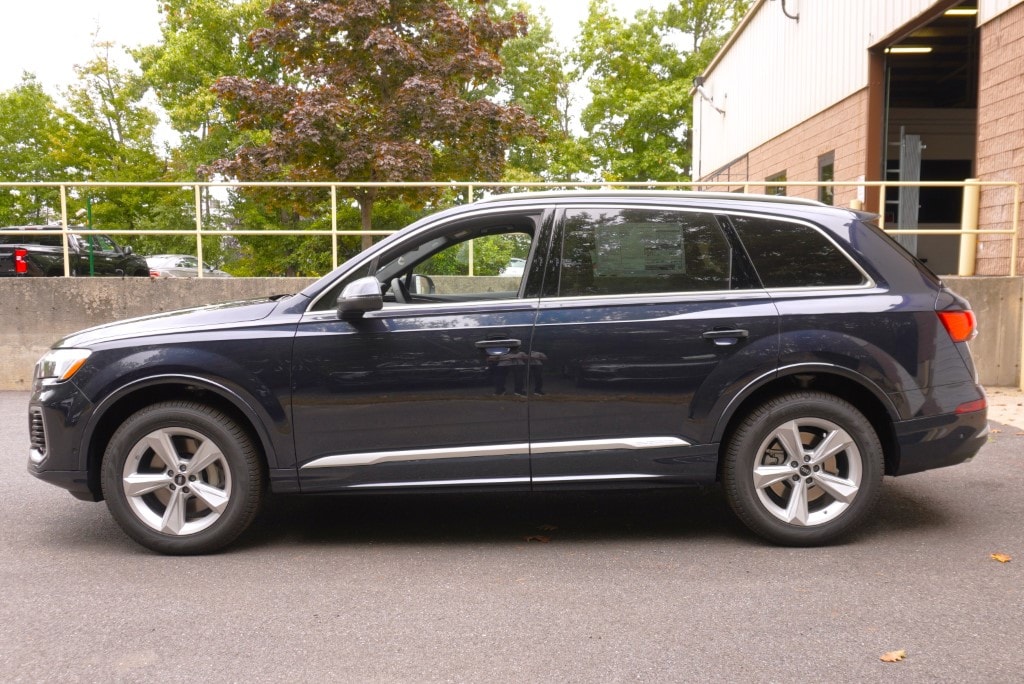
789,254
30,238
611,251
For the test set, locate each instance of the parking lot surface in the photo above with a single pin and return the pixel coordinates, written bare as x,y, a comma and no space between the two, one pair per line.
653,586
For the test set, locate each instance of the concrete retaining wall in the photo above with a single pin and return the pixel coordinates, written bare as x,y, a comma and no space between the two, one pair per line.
998,303
36,312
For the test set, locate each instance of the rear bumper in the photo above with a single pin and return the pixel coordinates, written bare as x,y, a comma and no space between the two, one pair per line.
939,441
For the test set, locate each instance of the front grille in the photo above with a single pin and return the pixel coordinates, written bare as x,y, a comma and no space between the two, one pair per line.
37,434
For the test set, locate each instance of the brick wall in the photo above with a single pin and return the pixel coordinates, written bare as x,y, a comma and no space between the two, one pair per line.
841,129
1000,154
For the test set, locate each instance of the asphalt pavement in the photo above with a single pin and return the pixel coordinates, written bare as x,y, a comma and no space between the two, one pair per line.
657,586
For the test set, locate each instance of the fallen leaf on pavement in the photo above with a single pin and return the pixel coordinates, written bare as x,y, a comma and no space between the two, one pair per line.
893,656
537,538
1001,557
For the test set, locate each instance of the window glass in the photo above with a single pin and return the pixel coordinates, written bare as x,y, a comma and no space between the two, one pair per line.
436,267
789,254
637,251
100,243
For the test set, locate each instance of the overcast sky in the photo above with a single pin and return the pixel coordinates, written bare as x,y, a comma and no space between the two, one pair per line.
48,37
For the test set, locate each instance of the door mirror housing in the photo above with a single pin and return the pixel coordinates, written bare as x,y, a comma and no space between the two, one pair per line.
358,297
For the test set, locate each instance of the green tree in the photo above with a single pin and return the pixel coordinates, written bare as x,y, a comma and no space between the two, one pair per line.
536,78
30,135
110,137
374,92
201,41
640,73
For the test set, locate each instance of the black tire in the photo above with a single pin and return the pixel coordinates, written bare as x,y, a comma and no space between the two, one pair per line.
182,478
807,494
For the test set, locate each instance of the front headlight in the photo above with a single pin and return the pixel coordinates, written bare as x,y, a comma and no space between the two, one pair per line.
58,365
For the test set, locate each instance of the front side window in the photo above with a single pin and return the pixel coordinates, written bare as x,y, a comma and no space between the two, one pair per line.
787,254
639,251
475,259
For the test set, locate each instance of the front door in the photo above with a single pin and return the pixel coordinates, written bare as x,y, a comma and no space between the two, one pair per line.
426,392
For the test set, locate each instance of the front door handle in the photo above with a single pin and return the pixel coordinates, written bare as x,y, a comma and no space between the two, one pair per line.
487,344
724,338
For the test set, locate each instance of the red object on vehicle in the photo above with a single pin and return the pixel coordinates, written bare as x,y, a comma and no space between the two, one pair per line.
961,325
20,265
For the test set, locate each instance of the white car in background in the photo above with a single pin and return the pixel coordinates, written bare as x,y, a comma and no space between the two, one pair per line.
180,266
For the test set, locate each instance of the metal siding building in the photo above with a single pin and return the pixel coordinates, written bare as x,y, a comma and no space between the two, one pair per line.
805,90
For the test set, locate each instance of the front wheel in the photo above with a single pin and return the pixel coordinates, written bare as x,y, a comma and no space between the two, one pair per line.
803,469
182,478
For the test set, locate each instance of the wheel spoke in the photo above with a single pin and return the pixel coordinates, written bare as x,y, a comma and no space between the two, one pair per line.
835,442
766,476
206,455
174,516
163,446
796,509
215,499
139,484
837,487
788,436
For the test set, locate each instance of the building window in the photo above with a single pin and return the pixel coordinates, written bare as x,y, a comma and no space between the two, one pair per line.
770,189
827,173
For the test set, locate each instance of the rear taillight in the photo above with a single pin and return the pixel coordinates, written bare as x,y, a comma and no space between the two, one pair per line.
961,325
20,265
972,406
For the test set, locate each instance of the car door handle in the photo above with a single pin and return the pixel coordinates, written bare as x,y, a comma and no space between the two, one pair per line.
724,338
486,344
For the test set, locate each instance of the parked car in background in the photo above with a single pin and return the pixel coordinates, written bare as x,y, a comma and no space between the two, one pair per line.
514,267
30,254
180,266
789,350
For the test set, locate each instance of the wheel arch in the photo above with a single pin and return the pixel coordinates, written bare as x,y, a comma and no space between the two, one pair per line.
865,396
113,411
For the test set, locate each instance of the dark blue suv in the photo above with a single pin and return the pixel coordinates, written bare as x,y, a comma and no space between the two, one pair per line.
789,350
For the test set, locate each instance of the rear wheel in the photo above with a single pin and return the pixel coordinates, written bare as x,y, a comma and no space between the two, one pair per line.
803,469
182,478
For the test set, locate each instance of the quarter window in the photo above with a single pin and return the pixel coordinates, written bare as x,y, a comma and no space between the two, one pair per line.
641,251
794,255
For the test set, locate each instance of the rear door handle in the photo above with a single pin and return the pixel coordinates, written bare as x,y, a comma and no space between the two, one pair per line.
724,338
491,346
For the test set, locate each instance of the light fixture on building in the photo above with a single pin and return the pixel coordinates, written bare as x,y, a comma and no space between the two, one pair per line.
909,49
962,12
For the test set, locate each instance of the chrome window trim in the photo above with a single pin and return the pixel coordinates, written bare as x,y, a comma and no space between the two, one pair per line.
436,308
513,449
659,298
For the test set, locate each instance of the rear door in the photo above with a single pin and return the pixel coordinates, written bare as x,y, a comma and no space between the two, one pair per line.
649,316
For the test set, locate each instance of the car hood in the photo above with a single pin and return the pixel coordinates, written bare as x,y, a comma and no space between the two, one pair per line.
203,317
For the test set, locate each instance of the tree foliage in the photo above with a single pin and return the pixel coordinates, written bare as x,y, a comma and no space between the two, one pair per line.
355,90
374,91
30,135
639,74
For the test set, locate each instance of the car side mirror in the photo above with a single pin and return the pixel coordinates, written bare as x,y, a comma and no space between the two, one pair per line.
358,297
128,250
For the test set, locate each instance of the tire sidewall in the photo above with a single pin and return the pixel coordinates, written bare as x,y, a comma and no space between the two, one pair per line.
240,458
742,451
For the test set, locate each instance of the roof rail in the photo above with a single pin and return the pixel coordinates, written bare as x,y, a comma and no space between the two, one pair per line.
681,194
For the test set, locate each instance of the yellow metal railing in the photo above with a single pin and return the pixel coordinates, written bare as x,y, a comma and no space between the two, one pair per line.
968,231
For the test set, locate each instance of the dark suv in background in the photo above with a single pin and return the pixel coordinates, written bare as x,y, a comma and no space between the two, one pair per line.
790,350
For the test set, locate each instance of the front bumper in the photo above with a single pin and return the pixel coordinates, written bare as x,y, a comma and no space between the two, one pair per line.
939,441
57,415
